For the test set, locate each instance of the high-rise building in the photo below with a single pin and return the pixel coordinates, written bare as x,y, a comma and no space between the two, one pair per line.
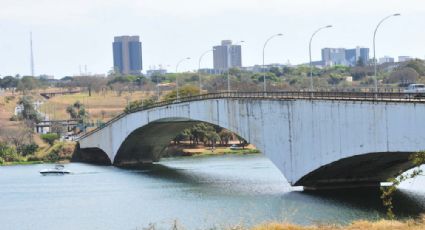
333,56
127,52
227,56
353,56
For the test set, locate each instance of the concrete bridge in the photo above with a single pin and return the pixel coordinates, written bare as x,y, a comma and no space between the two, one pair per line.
317,140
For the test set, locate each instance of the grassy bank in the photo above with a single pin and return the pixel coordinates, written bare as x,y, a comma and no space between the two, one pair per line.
411,224
59,152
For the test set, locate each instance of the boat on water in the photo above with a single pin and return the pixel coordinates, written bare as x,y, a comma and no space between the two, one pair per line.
57,170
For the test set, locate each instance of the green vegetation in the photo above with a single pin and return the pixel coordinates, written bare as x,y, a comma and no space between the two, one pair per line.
59,151
139,104
77,111
50,138
184,91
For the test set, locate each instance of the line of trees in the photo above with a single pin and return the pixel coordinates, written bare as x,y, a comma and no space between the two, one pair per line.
208,135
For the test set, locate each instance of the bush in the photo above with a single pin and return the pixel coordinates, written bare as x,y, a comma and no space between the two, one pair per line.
8,153
1,161
59,151
28,149
50,138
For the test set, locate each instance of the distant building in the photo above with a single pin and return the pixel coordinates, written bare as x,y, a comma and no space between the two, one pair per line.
150,73
333,56
127,52
386,59
209,71
227,56
342,56
404,58
353,56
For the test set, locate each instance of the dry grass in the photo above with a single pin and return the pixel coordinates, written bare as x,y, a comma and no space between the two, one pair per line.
7,109
357,225
109,104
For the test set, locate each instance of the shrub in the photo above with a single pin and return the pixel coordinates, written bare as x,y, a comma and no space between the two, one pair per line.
50,138
59,151
8,153
28,149
1,161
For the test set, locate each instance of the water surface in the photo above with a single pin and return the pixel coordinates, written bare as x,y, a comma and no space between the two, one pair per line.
199,192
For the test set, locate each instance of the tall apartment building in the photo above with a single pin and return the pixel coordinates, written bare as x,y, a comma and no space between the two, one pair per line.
352,56
227,56
127,51
342,56
333,56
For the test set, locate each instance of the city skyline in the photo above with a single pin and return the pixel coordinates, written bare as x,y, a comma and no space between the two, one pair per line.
169,34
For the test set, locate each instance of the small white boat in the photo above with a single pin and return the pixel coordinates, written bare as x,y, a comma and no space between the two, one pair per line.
58,170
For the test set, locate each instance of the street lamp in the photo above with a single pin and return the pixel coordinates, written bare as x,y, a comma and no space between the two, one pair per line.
309,50
264,70
228,69
199,69
374,49
177,81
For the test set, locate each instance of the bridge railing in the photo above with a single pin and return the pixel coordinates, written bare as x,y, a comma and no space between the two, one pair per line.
289,95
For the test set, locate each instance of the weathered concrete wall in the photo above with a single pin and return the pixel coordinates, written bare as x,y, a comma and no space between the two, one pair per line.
298,136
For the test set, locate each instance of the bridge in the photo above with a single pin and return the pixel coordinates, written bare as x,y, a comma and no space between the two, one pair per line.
316,139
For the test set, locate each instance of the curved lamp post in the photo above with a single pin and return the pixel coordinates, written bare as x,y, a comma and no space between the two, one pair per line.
264,70
199,69
309,50
177,81
374,49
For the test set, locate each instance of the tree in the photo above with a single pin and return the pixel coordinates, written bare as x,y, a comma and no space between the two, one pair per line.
8,153
50,138
9,82
27,83
403,76
91,83
77,111
29,112
418,65
184,91
225,136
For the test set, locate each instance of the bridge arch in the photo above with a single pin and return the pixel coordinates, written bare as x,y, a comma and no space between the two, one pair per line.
308,140
147,144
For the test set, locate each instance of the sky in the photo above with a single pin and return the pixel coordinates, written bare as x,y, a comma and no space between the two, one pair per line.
68,34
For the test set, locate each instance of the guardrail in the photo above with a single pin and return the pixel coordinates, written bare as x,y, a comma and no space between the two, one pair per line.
289,95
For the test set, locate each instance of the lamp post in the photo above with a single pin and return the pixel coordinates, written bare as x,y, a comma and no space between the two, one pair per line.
374,49
228,69
264,71
199,69
309,50
177,79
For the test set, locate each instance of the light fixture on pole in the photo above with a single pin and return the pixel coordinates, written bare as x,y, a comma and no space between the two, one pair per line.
374,49
264,70
199,69
309,50
177,81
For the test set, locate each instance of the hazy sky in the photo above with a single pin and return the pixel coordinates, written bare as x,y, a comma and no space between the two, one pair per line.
70,33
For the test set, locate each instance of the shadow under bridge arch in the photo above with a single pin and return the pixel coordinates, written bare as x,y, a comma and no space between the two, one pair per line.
148,143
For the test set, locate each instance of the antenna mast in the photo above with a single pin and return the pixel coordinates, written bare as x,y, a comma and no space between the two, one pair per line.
32,56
